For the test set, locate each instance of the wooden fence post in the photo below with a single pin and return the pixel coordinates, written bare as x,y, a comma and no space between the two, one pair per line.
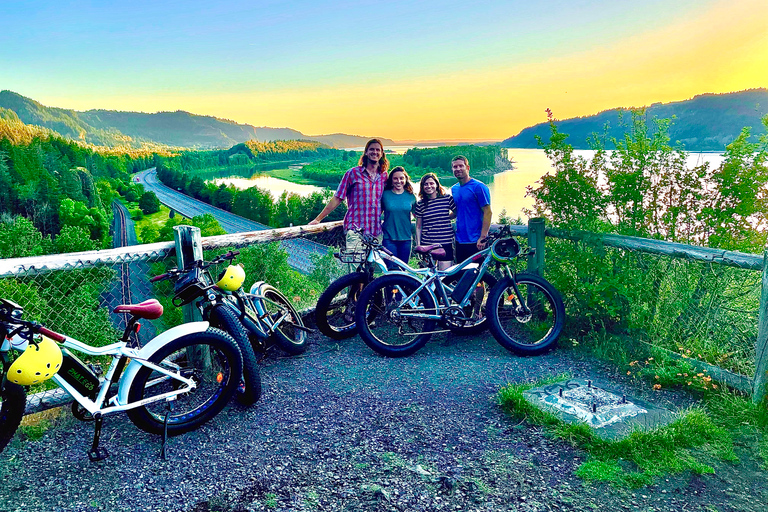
189,248
536,229
761,352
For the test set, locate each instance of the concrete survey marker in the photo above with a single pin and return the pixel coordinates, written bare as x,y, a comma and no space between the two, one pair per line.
610,414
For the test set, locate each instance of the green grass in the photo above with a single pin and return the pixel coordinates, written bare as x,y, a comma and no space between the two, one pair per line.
292,175
700,438
156,220
691,443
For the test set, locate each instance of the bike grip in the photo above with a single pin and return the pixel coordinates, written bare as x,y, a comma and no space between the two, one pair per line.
51,334
231,254
158,278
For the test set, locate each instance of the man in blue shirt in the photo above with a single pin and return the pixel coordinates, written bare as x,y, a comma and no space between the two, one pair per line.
473,210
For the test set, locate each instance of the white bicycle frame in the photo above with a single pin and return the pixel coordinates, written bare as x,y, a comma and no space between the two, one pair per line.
139,358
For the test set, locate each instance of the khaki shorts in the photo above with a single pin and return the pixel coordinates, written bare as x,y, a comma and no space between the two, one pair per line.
355,241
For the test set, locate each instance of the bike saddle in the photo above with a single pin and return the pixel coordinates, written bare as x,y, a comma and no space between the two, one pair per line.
436,250
149,309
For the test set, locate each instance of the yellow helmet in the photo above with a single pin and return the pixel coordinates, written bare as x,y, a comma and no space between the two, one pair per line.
38,363
231,279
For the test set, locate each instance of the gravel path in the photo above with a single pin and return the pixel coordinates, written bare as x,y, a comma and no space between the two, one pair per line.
341,428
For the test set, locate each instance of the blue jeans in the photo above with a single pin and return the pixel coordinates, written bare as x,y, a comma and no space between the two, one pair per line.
400,248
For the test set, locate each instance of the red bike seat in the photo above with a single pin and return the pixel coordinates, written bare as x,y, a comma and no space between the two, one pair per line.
149,309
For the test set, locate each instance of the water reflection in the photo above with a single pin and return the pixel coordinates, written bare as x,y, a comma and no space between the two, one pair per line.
508,188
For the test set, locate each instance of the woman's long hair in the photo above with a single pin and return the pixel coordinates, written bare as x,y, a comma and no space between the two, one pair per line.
440,188
383,162
408,185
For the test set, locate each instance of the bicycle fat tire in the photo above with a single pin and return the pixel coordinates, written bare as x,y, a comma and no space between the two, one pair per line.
11,411
526,333
225,319
335,303
217,380
489,281
291,340
385,334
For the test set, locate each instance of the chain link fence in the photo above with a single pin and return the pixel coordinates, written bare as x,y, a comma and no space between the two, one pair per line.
703,308
75,294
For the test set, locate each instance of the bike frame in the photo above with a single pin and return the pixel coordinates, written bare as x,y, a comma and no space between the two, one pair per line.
120,353
432,279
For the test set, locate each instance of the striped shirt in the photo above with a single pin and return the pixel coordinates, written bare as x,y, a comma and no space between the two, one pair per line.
363,196
435,219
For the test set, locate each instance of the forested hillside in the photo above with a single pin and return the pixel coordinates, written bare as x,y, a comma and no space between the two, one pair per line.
708,122
55,194
137,129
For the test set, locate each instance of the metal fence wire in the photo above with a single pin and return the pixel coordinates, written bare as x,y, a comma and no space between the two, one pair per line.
701,310
76,294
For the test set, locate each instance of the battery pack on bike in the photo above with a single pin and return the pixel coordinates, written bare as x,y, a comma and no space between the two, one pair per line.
462,287
78,375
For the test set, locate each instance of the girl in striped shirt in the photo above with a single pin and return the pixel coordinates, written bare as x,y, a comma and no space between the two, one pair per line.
433,217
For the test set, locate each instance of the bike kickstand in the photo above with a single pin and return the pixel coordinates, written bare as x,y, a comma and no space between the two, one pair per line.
97,453
165,430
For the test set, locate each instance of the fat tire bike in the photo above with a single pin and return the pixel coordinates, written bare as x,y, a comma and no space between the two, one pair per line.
335,309
174,383
525,312
257,320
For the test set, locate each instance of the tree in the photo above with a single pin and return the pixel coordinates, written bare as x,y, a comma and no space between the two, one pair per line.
20,238
75,213
74,239
149,203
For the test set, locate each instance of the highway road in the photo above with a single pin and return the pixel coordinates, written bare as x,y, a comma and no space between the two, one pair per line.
299,250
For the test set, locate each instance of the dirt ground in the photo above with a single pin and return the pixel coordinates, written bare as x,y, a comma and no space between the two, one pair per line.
341,428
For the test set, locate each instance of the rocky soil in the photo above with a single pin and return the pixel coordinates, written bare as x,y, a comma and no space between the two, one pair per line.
341,428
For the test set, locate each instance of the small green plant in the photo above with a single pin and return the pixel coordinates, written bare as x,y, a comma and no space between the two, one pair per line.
35,432
687,444
312,500
270,500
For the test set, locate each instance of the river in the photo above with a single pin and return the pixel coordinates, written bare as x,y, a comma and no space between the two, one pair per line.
508,188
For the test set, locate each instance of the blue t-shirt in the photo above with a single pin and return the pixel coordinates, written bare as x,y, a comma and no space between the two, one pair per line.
470,200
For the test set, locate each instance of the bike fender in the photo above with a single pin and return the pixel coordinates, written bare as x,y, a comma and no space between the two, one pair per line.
256,288
150,348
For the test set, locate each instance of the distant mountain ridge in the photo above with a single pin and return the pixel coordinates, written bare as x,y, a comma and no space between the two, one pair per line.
707,122
177,129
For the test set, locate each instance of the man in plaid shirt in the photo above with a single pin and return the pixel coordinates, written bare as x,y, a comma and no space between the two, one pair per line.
361,187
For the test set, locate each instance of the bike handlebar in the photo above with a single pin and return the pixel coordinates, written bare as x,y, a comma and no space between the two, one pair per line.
228,256
51,334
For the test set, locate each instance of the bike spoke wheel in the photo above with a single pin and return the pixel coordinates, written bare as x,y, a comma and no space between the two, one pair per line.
399,328
211,359
335,310
289,332
528,323
14,401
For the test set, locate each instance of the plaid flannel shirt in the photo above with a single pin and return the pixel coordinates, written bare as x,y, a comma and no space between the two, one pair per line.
363,196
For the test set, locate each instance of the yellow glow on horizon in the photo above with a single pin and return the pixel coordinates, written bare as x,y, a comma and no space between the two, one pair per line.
723,49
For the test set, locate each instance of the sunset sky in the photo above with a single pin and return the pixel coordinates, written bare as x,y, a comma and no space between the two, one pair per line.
428,70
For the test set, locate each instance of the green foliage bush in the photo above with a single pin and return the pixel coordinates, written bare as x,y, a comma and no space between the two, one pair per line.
644,189
149,203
